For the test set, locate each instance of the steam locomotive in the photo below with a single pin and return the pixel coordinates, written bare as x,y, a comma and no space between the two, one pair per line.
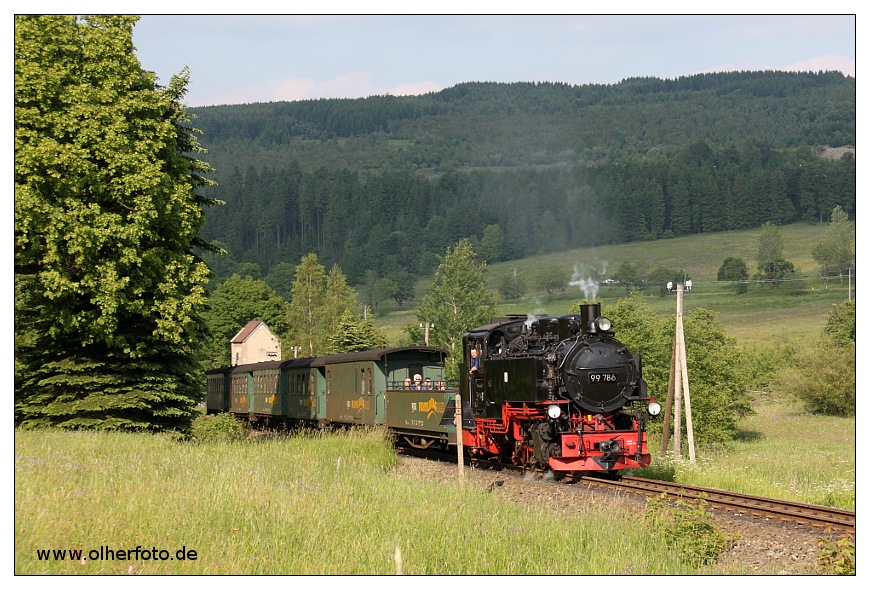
558,393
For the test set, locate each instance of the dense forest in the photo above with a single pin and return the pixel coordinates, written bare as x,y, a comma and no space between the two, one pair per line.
385,184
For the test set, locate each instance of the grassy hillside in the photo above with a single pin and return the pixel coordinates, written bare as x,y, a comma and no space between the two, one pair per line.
796,309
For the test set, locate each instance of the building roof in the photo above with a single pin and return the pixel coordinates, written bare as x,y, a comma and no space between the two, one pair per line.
246,332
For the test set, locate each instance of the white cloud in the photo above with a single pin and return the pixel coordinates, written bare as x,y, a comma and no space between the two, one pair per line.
350,85
824,63
415,88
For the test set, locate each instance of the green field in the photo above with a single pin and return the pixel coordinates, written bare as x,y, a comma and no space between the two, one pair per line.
763,315
326,504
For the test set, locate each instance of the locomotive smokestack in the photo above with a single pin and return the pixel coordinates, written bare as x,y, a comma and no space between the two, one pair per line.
588,313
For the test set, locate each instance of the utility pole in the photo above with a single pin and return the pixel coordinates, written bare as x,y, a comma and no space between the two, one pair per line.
426,326
669,405
681,382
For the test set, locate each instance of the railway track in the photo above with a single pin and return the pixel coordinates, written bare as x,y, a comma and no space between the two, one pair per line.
821,517
824,518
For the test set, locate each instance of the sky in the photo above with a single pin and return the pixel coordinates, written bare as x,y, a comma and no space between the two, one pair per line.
245,58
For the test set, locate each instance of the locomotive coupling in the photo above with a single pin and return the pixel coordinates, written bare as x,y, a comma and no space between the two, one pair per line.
611,446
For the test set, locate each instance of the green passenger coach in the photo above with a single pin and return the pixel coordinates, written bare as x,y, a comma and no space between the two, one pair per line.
362,388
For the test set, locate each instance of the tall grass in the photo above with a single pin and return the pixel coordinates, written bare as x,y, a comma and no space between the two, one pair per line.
316,504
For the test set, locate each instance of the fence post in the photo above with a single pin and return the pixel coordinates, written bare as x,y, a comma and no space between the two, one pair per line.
457,419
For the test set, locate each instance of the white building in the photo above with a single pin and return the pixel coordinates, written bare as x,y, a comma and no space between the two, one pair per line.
254,343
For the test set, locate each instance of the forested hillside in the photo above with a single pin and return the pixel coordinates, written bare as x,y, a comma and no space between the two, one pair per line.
384,184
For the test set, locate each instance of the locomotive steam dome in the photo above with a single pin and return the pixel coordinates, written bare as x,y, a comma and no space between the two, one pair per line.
600,376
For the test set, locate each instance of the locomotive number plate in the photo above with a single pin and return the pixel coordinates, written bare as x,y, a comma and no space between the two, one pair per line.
602,377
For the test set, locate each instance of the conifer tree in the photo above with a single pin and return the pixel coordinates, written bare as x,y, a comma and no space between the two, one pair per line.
109,290
353,333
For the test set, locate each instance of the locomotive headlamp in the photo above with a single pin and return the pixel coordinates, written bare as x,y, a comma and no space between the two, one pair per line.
554,411
603,324
654,408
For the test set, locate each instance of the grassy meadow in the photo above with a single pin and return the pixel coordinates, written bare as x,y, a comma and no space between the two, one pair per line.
318,504
780,452
333,504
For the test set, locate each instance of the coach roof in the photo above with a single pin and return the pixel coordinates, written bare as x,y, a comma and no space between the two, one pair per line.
376,354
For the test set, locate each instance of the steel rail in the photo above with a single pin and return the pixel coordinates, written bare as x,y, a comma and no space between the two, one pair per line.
781,510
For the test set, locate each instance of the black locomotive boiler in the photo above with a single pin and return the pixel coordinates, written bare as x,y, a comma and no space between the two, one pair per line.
557,392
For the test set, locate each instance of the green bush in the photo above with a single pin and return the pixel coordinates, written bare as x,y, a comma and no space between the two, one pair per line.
823,378
840,324
823,374
687,529
837,557
218,427
760,364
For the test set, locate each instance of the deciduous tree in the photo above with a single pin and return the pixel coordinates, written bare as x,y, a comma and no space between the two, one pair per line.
306,307
457,301
836,252
772,267
552,280
492,243
629,276
319,301
823,374
734,269
717,390
106,221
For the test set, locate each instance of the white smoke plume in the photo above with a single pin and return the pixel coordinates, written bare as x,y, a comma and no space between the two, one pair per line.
589,278
531,317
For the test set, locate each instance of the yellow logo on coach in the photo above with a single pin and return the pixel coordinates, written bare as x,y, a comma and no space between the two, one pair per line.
360,405
431,407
